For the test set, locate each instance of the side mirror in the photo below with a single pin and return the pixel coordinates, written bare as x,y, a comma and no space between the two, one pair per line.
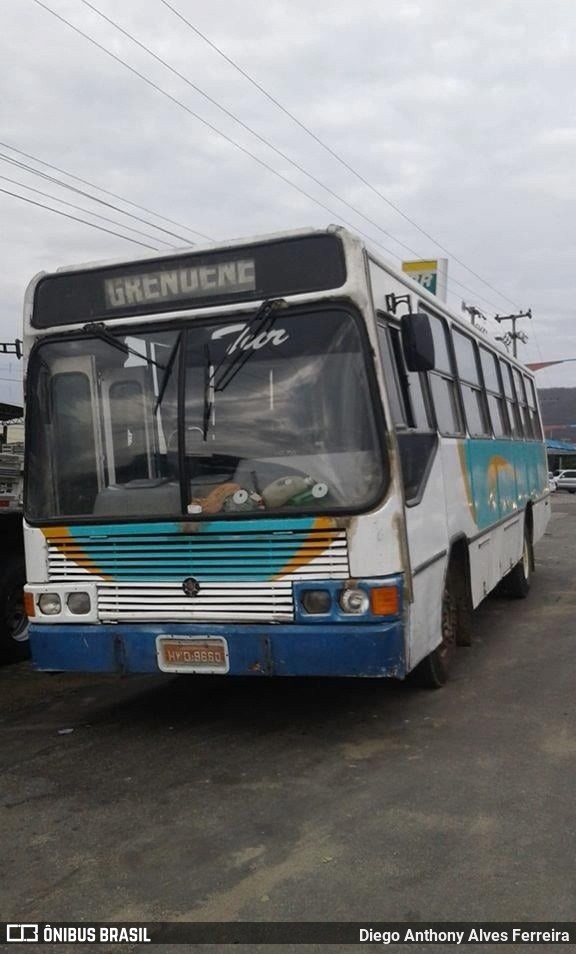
417,342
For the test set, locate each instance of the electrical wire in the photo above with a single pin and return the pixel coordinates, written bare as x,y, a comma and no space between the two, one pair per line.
233,142
253,132
75,218
80,208
93,185
93,198
267,143
204,122
333,152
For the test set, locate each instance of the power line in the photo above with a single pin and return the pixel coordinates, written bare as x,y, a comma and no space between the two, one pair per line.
232,141
80,208
93,198
332,151
253,132
114,195
266,142
75,218
205,122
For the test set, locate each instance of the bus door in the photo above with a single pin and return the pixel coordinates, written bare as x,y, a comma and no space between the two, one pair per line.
423,485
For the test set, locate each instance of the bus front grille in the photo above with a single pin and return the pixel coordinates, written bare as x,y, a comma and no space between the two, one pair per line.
242,576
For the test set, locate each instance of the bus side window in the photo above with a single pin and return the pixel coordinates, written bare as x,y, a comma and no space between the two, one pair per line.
471,385
404,387
416,440
513,409
496,400
442,383
533,405
412,386
521,394
520,403
396,395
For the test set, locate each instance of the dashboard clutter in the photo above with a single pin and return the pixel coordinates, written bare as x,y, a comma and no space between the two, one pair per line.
243,501
293,490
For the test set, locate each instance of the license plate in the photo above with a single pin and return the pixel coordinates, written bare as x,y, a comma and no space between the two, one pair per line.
192,654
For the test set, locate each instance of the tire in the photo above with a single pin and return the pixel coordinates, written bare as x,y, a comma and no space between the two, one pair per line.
517,582
14,646
464,604
434,670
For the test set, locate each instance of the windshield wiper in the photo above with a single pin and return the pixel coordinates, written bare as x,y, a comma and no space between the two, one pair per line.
98,330
167,371
260,322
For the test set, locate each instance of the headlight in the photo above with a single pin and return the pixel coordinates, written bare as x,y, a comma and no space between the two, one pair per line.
78,603
354,601
50,604
316,601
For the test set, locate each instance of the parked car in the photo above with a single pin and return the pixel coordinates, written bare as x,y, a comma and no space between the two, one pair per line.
566,480
552,482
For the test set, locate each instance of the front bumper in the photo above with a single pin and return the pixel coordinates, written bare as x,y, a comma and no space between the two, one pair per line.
370,650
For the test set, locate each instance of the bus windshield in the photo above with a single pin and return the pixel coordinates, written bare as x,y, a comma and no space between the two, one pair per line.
217,417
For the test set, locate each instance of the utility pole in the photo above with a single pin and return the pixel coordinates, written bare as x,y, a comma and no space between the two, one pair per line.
515,335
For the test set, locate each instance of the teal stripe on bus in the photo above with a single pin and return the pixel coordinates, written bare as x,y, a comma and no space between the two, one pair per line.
503,476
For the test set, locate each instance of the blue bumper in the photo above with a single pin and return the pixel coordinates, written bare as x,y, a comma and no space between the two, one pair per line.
280,650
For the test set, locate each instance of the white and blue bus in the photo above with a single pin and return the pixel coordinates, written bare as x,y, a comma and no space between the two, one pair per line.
275,456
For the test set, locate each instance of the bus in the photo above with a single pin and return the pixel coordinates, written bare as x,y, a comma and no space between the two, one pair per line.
278,456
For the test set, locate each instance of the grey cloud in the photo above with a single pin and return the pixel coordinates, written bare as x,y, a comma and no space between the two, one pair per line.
455,111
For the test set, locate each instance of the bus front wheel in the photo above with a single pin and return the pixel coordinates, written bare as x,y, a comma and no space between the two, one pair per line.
433,671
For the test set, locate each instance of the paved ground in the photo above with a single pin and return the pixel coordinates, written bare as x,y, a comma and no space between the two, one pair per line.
305,800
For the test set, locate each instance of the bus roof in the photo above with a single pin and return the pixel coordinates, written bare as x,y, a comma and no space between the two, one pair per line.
215,251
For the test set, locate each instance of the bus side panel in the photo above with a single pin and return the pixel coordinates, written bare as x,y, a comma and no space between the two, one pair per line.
425,613
541,513
493,555
503,477
428,541
537,470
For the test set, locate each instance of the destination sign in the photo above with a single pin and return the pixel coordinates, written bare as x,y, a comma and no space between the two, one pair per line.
272,269
224,278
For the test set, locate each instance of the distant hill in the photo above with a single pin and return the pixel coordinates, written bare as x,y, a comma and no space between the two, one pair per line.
558,412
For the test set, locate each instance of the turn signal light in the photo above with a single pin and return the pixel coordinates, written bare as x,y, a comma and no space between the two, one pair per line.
29,605
384,601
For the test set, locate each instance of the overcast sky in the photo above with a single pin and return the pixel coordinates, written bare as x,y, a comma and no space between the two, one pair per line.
460,113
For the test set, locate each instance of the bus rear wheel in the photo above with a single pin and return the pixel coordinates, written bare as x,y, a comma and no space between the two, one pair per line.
517,582
433,671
